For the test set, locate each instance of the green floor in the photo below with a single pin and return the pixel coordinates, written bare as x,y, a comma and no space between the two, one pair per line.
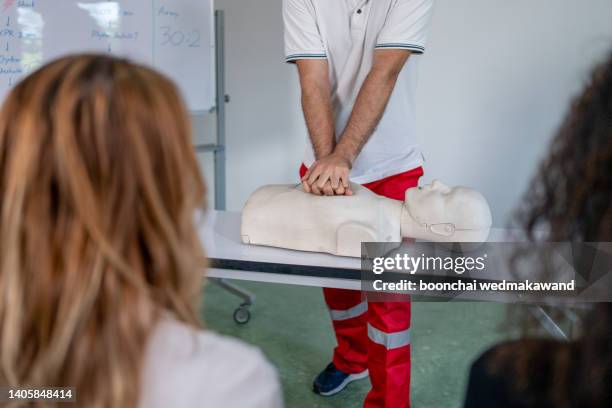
291,325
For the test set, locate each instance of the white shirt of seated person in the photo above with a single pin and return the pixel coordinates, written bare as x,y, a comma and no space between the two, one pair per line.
189,368
284,216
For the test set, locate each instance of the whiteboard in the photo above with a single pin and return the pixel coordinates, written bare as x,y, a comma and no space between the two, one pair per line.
174,36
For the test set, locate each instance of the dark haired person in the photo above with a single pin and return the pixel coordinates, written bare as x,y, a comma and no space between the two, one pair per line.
571,196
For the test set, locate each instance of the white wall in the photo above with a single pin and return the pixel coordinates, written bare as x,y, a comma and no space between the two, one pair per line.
494,84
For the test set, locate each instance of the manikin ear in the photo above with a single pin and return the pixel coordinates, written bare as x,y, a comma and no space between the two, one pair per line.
445,229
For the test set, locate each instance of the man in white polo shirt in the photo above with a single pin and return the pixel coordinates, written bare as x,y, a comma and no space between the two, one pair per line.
357,74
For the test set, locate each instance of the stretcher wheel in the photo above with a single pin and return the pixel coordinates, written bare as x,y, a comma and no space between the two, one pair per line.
242,315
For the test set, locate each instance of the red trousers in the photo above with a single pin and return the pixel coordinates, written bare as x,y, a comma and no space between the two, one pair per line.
375,335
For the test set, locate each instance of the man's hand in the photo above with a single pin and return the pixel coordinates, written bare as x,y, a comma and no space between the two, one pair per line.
328,176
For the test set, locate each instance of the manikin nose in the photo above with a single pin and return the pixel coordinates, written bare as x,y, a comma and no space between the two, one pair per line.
438,185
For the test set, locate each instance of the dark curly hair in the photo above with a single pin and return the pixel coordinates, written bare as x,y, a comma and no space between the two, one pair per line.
570,200
570,196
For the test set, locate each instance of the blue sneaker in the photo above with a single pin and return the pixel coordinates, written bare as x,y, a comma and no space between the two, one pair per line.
331,380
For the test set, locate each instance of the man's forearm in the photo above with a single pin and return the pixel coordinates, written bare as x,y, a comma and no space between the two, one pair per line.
316,105
369,108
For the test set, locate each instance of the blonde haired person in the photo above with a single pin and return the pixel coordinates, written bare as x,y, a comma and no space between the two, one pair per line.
100,264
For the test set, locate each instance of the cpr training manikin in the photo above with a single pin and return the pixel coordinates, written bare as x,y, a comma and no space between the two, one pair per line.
285,216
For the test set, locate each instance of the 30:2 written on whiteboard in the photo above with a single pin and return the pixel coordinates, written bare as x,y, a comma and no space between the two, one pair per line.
175,36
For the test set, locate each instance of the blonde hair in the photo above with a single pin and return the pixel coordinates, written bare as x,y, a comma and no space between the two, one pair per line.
98,188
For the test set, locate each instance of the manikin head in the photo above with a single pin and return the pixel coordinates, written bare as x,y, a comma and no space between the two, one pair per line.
436,212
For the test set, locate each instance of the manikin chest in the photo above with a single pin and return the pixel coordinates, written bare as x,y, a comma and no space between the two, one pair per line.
285,216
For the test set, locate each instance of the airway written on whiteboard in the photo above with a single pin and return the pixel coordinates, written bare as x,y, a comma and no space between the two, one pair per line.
175,36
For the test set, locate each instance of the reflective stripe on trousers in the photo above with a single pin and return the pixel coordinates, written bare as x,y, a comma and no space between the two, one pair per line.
354,311
389,340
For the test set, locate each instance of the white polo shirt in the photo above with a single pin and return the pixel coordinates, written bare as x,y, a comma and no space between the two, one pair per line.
346,33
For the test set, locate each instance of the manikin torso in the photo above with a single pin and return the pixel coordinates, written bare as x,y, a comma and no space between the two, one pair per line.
284,216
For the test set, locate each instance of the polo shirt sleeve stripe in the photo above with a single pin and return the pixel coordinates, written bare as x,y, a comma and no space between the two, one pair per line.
303,38
295,57
415,48
406,26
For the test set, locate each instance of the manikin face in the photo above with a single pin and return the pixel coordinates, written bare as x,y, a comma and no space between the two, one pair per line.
436,203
